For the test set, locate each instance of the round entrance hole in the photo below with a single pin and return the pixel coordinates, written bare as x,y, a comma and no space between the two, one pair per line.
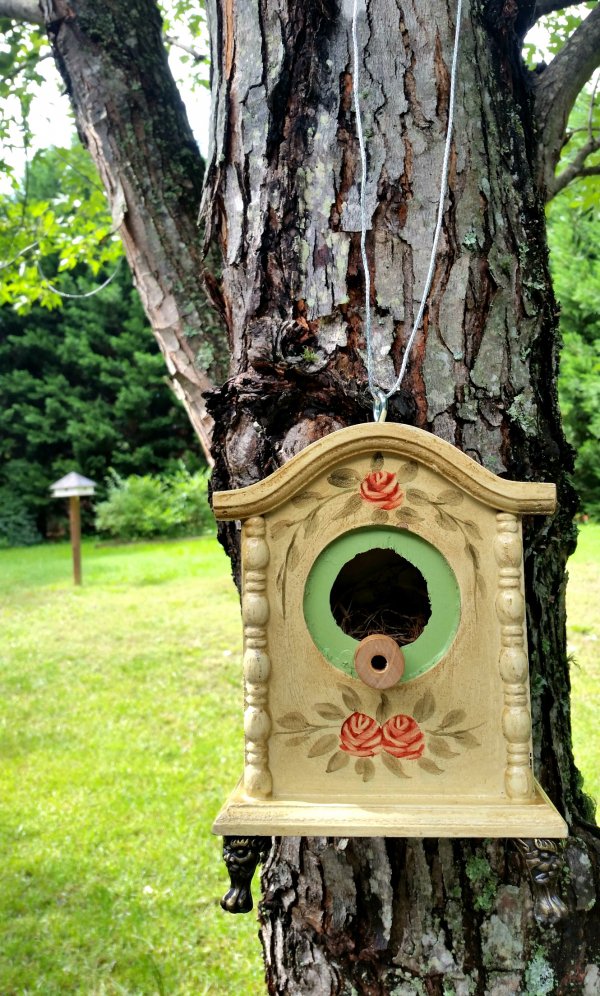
378,591
379,662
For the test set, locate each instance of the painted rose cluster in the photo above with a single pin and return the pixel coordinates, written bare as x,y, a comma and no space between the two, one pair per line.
381,488
401,736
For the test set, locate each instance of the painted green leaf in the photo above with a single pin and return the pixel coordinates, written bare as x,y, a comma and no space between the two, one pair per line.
450,497
408,513
311,523
445,520
350,507
327,711
343,477
293,557
466,738
417,497
377,461
293,721
337,761
481,586
365,767
473,529
473,553
306,498
279,578
382,709
351,699
408,471
278,527
394,765
323,744
424,707
380,515
452,718
429,766
301,739
440,748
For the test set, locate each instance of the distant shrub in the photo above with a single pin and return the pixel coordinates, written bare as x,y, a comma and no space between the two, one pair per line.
17,524
142,507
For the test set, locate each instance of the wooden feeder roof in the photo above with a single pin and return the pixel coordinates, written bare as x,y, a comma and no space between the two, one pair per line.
520,498
72,485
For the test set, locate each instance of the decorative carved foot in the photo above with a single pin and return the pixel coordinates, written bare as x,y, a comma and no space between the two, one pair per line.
241,855
543,860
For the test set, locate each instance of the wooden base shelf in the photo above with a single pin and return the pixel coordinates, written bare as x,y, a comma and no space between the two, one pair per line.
414,817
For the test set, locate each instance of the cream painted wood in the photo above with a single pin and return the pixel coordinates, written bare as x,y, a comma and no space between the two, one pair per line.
445,753
510,607
454,816
404,440
257,665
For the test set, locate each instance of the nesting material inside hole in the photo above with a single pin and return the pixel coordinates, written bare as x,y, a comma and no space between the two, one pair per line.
380,592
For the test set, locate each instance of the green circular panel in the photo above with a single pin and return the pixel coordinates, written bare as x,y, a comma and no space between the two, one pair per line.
442,588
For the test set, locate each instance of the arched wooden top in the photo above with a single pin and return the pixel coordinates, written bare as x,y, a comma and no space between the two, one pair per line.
404,440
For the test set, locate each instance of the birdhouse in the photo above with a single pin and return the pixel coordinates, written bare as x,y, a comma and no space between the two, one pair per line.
72,485
385,647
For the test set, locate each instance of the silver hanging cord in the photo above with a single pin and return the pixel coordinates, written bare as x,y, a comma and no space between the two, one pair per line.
376,392
363,205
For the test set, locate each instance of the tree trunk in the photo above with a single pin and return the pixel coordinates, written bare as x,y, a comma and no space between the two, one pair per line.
131,119
378,916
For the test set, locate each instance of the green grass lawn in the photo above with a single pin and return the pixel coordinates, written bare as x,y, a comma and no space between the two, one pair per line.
120,736
583,613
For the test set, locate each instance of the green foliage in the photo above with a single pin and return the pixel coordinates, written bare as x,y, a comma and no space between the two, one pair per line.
142,507
186,23
583,193
21,47
556,28
574,237
17,524
84,389
57,221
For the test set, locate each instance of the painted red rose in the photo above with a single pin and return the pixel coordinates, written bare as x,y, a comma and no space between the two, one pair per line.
381,488
360,735
402,736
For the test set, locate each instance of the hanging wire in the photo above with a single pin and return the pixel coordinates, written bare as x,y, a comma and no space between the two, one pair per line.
363,203
381,397
79,297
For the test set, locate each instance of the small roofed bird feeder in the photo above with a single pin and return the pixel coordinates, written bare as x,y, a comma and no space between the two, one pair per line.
385,648
74,486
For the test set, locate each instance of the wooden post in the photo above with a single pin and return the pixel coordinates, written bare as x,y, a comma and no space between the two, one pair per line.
75,528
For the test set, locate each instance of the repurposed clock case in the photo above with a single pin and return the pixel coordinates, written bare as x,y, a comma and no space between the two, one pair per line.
385,648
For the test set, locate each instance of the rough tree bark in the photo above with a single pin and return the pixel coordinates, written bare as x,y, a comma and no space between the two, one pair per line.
364,916
400,916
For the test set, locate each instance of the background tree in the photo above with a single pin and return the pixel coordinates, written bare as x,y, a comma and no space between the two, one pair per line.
574,237
281,193
83,386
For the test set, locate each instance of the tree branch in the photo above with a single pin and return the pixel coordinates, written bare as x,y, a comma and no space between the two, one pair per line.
557,88
21,10
194,52
544,7
576,168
